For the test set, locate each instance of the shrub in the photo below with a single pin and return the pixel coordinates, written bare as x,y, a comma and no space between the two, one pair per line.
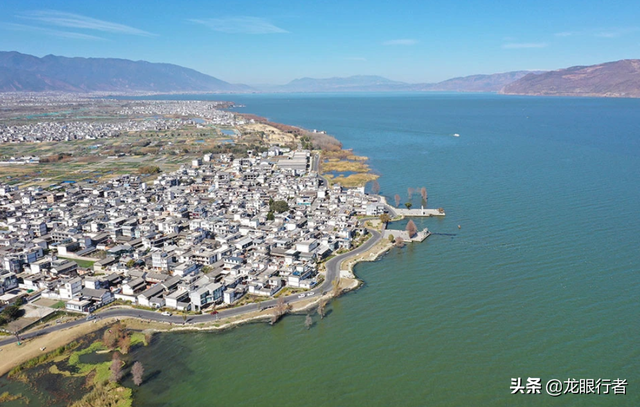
149,169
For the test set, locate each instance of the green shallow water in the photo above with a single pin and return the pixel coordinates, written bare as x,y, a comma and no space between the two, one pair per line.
541,280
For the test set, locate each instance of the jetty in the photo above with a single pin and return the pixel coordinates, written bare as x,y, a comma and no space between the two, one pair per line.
418,237
418,212
422,212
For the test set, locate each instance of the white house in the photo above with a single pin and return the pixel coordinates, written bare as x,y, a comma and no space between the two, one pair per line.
71,288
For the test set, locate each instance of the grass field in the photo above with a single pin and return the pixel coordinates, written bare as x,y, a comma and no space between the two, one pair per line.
81,263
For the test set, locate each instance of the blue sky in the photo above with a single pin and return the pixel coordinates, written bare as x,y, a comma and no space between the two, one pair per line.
259,42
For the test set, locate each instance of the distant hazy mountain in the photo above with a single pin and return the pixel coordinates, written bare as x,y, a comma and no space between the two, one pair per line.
358,83
478,83
369,83
613,79
21,72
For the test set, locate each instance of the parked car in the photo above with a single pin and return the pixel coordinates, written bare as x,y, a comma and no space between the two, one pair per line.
166,313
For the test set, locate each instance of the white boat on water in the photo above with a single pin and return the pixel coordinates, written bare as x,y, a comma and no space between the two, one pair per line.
456,135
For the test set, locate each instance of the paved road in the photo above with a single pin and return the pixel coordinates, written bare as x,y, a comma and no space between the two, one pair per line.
315,166
332,271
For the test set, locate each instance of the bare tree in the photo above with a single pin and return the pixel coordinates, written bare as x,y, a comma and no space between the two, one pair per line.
423,192
137,371
425,198
375,187
112,336
321,308
124,343
336,287
410,192
397,198
279,310
116,368
411,228
385,218
399,241
282,307
308,321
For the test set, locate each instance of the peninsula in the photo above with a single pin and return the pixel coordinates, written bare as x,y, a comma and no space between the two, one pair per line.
174,215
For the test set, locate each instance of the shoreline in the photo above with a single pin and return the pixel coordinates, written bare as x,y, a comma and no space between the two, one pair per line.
12,355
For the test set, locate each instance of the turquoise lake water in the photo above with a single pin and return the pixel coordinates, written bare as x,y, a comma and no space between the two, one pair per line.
541,280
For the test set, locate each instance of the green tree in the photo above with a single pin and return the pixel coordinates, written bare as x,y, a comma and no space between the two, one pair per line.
280,206
385,218
408,205
270,216
392,239
11,312
130,263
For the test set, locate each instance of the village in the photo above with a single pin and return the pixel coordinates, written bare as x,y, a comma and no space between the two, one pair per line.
113,120
218,232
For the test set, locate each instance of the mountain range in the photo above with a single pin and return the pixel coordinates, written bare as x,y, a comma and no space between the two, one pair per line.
611,79
371,83
22,72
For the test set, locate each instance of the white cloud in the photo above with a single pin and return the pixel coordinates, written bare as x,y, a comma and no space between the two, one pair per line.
600,33
240,25
523,45
48,31
63,19
407,41
615,32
